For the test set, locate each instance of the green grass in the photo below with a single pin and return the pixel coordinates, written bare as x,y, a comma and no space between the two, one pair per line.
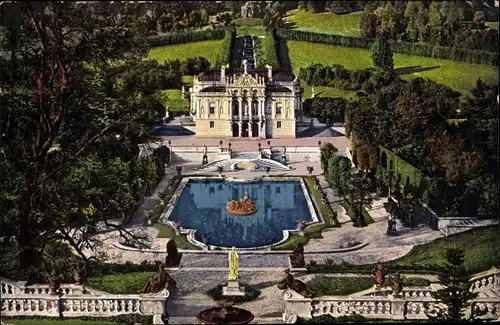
173,100
338,286
492,24
250,30
206,49
248,22
481,247
126,283
312,231
329,92
325,22
166,231
57,322
459,76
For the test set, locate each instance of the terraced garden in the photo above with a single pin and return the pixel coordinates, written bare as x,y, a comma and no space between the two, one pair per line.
460,76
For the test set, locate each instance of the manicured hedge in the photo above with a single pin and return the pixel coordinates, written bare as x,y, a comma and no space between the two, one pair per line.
350,212
270,46
186,37
225,55
433,51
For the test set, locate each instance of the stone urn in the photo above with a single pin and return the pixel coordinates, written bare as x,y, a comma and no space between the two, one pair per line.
225,315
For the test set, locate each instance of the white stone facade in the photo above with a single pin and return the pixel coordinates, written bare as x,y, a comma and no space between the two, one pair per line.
246,104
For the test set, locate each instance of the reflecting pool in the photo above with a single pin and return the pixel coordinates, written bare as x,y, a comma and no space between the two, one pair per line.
202,206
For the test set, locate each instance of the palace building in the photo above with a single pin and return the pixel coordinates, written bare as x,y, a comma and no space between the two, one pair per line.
256,103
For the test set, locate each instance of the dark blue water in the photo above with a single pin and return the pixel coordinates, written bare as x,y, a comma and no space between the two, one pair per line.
202,206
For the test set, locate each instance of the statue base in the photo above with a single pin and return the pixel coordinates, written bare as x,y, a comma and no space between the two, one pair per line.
233,289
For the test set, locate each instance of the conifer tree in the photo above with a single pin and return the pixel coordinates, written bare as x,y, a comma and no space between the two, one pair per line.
382,55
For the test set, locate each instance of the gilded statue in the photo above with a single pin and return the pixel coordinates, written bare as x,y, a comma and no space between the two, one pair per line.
244,206
234,264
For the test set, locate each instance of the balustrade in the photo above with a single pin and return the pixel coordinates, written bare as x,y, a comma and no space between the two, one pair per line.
81,305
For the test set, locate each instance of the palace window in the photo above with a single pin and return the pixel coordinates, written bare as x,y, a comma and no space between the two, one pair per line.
211,109
278,125
212,124
279,108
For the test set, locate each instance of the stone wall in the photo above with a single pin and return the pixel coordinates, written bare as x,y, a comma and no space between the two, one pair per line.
222,128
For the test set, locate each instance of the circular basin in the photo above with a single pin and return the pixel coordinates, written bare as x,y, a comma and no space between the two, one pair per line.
225,315
247,165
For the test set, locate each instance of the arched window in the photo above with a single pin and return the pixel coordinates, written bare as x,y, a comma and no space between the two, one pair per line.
211,109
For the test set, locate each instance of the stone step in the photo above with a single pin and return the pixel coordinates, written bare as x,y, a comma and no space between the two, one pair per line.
194,320
489,293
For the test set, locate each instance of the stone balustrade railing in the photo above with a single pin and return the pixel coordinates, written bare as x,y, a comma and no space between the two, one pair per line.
81,305
373,307
414,302
488,280
20,287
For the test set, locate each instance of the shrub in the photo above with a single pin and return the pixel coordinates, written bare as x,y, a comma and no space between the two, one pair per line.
338,286
126,283
251,293
225,55
269,47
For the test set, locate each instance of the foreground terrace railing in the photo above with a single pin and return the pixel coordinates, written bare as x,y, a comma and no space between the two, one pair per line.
414,302
17,299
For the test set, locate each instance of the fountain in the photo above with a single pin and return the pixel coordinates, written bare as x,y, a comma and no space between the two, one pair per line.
243,207
225,314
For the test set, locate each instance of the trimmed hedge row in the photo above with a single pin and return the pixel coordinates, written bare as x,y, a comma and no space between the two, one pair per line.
409,268
270,46
351,213
433,51
225,55
186,37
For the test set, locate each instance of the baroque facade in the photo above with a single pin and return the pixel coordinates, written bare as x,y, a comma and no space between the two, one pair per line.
246,104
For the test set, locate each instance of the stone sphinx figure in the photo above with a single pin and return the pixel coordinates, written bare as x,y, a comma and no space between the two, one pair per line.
159,281
297,256
244,206
55,278
397,284
288,282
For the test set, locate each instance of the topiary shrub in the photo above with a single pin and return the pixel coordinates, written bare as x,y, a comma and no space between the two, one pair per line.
251,293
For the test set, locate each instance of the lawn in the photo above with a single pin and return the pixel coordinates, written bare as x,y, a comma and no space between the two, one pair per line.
207,49
460,76
57,322
329,92
250,30
338,286
492,24
165,231
325,22
126,283
173,100
481,246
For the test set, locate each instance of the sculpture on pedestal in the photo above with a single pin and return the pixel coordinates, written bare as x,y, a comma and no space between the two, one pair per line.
205,156
55,278
380,272
397,284
233,287
288,282
243,207
173,257
391,226
159,281
297,256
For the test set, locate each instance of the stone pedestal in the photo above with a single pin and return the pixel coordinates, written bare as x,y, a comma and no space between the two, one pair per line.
233,289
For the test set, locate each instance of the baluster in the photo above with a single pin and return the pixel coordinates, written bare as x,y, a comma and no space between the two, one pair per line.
70,303
115,306
85,305
491,280
99,306
37,305
43,305
137,305
27,306
122,306
129,305
92,304
10,305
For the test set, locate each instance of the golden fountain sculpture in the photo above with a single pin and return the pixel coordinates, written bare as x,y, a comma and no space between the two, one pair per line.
242,207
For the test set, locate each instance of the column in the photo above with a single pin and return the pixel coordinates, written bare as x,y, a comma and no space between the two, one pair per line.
230,108
250,129
240,111
240,123
261,108
249,107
